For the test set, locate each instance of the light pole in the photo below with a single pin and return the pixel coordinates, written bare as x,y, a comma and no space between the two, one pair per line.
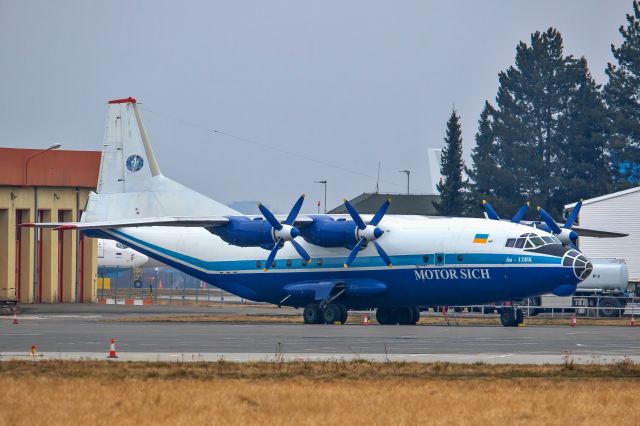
408,172
34,298
324,182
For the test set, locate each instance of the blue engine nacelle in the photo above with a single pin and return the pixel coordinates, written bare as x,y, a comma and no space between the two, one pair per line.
245,232
328,232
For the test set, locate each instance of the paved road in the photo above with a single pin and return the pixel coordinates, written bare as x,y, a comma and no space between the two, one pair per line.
82,329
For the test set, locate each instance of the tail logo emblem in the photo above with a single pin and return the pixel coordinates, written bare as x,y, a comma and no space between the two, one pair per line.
134,163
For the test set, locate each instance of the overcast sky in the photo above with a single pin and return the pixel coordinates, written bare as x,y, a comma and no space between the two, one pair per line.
341,84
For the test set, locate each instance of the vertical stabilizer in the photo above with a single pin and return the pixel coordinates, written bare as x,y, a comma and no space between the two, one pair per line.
130,184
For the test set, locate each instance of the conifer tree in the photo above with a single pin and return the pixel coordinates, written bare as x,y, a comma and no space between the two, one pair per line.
622,94
583,155
451,166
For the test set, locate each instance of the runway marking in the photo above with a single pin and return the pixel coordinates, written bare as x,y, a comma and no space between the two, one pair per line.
20,334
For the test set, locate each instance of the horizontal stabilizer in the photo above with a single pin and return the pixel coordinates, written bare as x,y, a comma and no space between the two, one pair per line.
126,223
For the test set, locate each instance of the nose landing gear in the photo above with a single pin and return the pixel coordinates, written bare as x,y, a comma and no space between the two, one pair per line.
511,317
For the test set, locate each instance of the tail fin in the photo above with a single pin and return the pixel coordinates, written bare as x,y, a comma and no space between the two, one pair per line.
130,184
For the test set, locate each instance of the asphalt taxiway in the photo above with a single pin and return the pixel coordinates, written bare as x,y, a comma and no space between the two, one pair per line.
85,332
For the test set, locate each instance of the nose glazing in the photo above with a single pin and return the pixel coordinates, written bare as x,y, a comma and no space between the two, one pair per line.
582,267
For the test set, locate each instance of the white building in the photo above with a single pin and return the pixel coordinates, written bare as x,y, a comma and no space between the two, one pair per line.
617,212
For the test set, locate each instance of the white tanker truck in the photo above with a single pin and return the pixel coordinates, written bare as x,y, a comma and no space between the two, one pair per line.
605,289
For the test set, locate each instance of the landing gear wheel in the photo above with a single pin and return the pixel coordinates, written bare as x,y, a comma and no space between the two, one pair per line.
416,315
404,316
510,317
332,313
384,316
312,314
344,313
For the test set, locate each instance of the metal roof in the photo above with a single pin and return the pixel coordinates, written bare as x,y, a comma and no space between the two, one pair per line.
604,197
369,203
53,168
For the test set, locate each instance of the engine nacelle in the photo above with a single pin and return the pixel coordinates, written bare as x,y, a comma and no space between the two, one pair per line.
245,232
328,232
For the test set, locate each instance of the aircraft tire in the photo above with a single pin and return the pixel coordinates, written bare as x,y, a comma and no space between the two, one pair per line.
384,316
332,313
344,313
416,315
519,316
137,284
312,314
403,316
508,317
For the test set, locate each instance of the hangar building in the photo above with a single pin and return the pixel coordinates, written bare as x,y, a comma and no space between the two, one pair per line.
615,212
48,186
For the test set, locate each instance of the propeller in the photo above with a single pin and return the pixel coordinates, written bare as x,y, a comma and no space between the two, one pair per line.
565,231
367,233
491,213
283,232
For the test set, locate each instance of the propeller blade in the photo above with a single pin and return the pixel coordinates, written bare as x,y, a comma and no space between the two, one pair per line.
490,211
294,211
273,253
270,217
354,253
520,213
549,221
301,251
383,254
354,215
573,216
380,213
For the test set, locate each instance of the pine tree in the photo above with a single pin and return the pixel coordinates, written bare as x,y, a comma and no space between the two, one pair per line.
583,156
622,94
532,98
482,183
451,165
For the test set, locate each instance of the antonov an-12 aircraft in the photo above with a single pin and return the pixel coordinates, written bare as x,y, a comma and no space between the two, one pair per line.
327,264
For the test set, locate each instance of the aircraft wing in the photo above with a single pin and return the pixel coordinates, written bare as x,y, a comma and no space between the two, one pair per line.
300,221
597,233
126,223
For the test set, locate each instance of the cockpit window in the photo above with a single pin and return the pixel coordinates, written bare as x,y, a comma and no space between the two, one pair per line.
532,240
121,246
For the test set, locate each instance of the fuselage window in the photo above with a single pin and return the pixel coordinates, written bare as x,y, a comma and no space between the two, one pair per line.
258,264
319,262
274,264
439,258
510,242
460,258
425,259
288,263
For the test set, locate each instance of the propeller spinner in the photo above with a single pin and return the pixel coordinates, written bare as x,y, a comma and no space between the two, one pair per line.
283,232
366,233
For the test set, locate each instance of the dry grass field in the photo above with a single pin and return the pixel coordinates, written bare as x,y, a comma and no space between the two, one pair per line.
356,318
356,393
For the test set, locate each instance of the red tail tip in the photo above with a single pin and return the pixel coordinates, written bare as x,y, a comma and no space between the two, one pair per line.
128,100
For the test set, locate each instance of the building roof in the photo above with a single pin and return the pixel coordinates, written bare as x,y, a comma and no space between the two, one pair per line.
604,197
52,168
419,204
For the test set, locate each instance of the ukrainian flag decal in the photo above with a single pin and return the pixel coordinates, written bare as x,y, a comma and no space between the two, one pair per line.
481,238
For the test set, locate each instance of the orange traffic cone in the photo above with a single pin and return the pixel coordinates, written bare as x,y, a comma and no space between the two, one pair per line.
15,319
573,321
112,349
33,350
365,319
632,323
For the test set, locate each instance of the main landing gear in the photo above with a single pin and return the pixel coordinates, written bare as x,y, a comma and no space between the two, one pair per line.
332,313
406,315
511,317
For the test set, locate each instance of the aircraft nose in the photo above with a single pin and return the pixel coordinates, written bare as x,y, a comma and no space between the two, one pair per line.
582,267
